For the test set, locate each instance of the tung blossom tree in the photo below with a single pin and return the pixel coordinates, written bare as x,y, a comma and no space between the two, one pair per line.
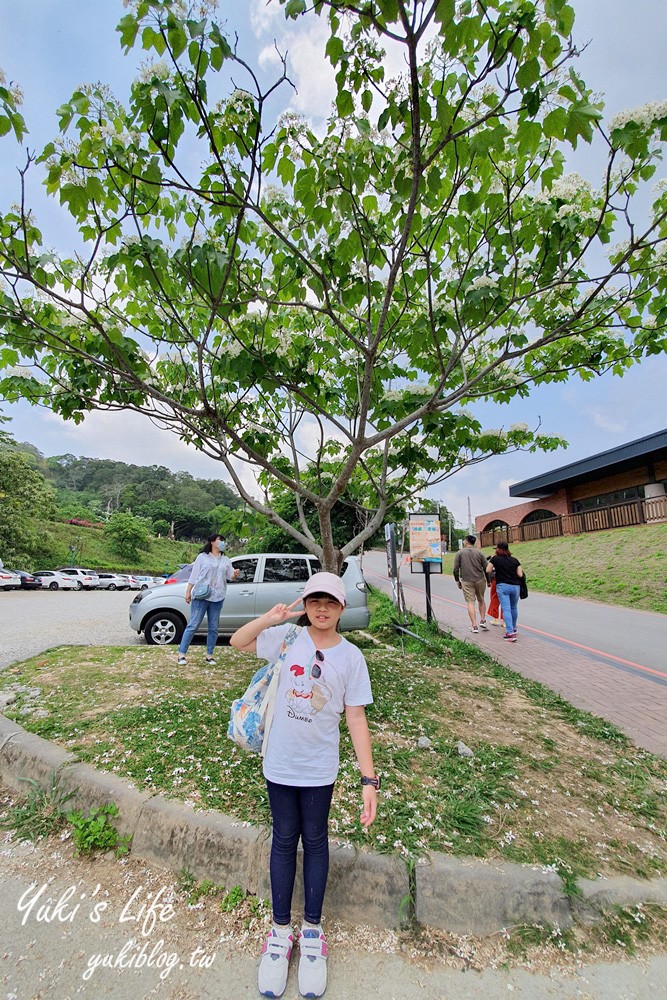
336,299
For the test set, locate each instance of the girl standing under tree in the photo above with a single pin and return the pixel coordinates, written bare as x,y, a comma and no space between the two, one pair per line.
322,675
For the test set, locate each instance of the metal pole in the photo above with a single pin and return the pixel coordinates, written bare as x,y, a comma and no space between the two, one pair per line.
427,589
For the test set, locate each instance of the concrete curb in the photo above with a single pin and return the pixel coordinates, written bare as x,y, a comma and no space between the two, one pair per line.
460,896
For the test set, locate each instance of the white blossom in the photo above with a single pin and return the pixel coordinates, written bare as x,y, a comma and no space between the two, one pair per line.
645,114
484,281
233,348
564,189
151,70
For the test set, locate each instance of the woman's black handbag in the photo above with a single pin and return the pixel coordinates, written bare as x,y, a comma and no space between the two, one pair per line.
523,586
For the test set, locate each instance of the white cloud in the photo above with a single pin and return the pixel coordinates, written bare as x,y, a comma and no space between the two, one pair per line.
269,58
604,419
265,16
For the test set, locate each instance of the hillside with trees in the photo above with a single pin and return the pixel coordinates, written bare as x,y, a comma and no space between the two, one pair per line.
173,504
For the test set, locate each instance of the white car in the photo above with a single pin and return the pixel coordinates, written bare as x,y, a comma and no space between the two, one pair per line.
162,614
84,579
9,580
145,582
52,579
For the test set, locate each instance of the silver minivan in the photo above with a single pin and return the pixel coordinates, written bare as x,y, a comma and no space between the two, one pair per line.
264,579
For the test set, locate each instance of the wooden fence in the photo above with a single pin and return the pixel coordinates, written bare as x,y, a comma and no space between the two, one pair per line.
619,515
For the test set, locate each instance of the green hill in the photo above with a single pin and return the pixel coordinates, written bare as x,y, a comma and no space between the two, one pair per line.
91,549
627,566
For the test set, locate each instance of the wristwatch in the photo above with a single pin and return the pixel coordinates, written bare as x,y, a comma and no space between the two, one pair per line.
375,782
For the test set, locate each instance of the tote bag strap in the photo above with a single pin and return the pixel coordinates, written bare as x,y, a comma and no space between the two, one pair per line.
271,694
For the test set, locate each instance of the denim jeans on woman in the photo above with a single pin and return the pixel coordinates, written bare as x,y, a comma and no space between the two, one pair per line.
199,608
299,813
508,595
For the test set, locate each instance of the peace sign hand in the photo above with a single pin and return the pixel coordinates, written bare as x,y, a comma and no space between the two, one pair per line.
281,612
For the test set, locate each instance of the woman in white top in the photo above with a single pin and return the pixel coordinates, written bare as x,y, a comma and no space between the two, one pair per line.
205,593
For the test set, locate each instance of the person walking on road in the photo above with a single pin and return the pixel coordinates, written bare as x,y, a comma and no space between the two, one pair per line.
508,573
470,575
205,593
323,676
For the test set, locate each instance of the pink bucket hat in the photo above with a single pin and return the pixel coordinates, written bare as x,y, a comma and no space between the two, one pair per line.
326,583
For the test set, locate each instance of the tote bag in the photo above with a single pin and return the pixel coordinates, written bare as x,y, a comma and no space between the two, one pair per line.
251,715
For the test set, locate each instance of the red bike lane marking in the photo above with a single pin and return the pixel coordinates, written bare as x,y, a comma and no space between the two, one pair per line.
547,635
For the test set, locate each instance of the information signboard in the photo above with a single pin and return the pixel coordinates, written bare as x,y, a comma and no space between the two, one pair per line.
425,543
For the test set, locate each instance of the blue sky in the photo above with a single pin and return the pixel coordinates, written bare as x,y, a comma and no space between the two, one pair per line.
49,47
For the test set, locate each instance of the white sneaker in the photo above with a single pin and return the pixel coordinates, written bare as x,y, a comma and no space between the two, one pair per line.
182,662
312,962
274,964
210,661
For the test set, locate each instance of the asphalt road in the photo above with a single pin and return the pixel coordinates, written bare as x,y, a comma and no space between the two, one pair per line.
624,635
34,620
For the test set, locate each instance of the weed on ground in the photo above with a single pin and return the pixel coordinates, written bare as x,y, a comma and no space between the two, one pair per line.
545,783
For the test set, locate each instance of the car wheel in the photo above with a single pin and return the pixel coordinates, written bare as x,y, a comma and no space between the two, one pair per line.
164,629
144,586
79,585
53,585
112,586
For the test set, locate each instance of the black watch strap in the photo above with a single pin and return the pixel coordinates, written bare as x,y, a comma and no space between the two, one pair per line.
375,782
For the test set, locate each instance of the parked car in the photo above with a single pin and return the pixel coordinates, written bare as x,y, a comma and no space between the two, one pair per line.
85,579
145,582
28,581
113,581
132,582
9,580
264,580
181,575
51,579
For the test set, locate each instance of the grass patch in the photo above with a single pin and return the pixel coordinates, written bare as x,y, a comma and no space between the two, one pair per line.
547,784
625,566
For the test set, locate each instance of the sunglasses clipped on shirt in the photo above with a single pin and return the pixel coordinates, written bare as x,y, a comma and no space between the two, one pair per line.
316,670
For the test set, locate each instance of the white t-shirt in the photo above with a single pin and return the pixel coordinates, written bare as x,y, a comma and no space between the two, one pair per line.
302,747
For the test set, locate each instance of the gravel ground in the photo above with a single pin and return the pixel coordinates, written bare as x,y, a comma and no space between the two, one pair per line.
34,620
58,953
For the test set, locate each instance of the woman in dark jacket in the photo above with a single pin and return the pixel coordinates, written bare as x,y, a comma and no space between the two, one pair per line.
508,573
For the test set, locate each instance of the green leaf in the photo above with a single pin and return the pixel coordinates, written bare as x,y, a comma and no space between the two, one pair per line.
528,74
335,50
565,20
345,103
444,12
178,41
367,101
555,123
294,7
128,27
5,125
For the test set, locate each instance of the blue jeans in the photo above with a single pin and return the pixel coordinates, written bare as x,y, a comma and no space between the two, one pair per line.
299,813
508,595
198,609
